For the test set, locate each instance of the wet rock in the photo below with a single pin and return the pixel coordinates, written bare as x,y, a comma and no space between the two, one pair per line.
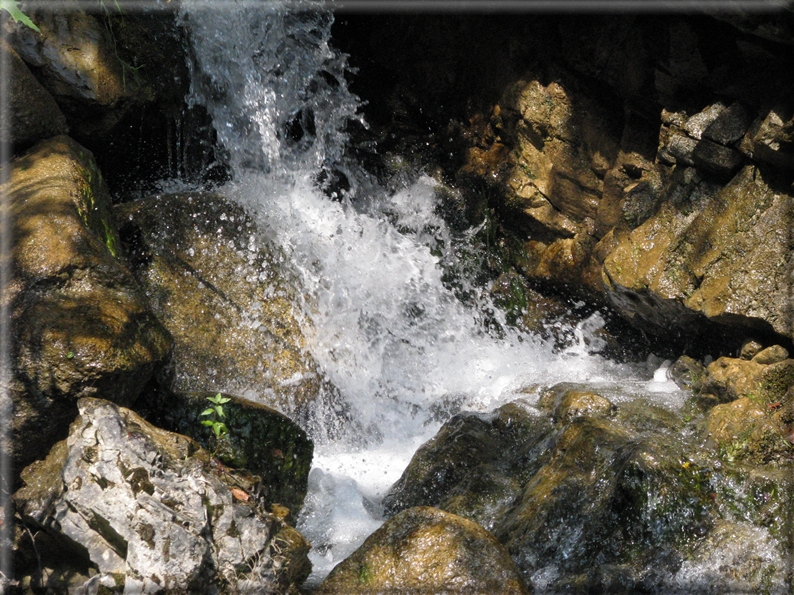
687,373
567,403
745,430
572,520
32,114
221,292
148,510
458,469
700,256
81,325
735,558
771,355
424,550
260,439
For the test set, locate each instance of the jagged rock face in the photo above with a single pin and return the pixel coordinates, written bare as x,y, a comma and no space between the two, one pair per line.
150,512
260,439
32,114
81,325
226,300
426,550
722,252
621,156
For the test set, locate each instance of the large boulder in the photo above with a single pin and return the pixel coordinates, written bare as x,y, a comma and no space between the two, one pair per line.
80,323
459,469
31,112
127,507
259,439
426,550
615,498
224,297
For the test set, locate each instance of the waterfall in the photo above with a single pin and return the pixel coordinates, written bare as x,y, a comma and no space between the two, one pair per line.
402,349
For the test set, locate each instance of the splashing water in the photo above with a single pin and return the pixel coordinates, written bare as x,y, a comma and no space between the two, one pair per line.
403,351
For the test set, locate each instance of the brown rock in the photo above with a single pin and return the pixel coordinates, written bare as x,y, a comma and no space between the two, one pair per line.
771,355
426,550
77,61
717,251
81,325
225,299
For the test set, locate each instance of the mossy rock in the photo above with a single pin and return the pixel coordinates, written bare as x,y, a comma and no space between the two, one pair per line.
426,550
644,417
81,324
475,465
259,439
733,378
608,495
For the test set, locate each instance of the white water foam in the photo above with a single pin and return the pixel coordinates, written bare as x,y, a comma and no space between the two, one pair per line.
403,351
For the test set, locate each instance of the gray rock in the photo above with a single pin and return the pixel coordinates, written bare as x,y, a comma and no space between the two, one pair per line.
260,439
150,509
700,122
716,159
730,125
682,148
773,143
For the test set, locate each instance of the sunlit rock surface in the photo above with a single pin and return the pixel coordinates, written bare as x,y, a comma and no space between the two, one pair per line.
260,439
633,497
136,509
722,252
81,325
731,378
225,298
426,550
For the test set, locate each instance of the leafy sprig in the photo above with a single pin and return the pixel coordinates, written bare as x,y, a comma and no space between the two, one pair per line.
12,8
216,414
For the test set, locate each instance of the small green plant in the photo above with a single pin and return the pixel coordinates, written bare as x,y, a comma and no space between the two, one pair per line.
12,8
215,415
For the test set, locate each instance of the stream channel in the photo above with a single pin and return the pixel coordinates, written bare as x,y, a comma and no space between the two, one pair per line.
382,320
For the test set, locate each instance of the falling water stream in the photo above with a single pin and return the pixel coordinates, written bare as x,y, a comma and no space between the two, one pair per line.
402,349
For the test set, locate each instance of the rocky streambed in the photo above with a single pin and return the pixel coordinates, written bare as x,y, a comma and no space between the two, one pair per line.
646,180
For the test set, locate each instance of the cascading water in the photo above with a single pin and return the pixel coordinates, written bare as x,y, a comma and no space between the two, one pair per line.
403,351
